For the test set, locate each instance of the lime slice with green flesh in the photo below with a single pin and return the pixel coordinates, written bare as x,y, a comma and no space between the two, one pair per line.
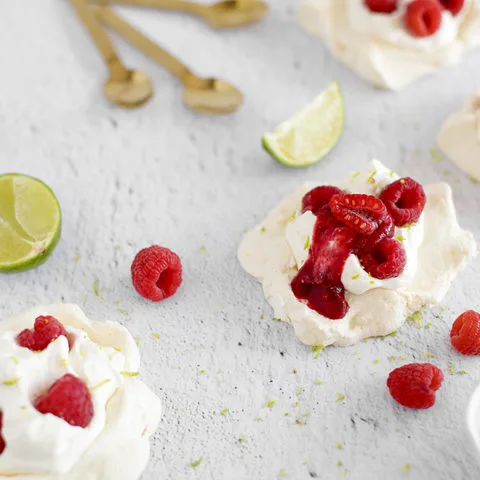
30,222
311,133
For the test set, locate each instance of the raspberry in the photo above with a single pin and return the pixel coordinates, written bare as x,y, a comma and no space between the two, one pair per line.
2,440
381,6
45,330
326,220
414,385
319,279
67,398
156,273
362,213
330,249
465,333
387,259
328,301
405,200
315,199
423,17
453,6
386,229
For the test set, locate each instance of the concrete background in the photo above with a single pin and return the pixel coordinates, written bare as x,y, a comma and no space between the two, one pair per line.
163,174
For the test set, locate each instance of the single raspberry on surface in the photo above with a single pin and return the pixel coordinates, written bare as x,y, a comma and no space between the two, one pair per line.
328,301
453,6
68,398
362,213
405,200
45,330
156,273
386,259
315,199
381,6
423,17
386,229
2,440
465,333
414,385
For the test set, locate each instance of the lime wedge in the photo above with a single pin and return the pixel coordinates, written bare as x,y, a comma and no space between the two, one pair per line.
30,222
311,133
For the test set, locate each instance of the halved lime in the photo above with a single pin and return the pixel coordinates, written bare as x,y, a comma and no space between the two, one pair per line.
30,222
311,133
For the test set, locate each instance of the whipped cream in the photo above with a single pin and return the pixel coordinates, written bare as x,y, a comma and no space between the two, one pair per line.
126,412
459,137
380,49
436,249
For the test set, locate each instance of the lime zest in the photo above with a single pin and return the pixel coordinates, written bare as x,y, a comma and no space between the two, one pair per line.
307,243
101,384
157,336
203,250
196,463
270,403
340,397
11,382
224,412
130,374
339,446
406,468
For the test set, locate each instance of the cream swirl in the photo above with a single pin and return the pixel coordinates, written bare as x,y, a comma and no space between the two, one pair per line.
379,48
459,137
106,358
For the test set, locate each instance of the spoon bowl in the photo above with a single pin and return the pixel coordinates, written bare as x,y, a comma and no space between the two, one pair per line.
211,95
128,88
234,13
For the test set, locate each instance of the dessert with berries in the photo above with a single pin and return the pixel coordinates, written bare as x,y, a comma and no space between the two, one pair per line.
391,43
350,260
459,137
71,405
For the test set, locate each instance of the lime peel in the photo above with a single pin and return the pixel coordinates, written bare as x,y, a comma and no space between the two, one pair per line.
311,133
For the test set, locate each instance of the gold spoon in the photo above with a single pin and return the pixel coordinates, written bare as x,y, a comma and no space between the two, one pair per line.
223,14
205,95
124,88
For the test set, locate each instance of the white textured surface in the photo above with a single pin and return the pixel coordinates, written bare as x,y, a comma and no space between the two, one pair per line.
165,175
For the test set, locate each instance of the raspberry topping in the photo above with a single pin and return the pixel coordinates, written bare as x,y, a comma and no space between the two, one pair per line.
381,6
423,17
362,213
386,229
414,385
2,440
319,279
45,330
328,301
326,220
315,199
386,259
67,398
331,249
358,224
405,200
453,6
465,333
156,273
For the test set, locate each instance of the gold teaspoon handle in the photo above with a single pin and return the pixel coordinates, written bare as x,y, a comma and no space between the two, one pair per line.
178,5
97,33
140,41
